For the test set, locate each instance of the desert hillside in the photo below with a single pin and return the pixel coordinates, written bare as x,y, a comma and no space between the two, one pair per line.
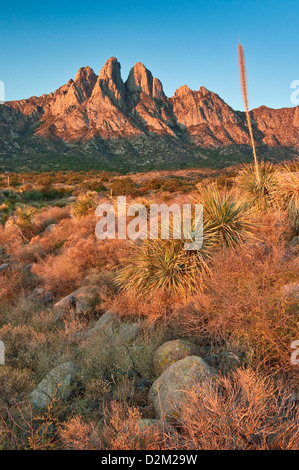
122,344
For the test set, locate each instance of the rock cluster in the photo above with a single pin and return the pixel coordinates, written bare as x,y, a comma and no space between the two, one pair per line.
169,393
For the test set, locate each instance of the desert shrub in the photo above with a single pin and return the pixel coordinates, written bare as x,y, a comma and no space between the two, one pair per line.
116,359
124,187
151,185
23,345
45,181
257,191
40,245
96,185
5,210
26,430
79,435
227,216
20,311
15,383
255,321
64,271
13,284
51,215
36,346
154,308
55,194
172,185
122,429
243,411
32,195
84,205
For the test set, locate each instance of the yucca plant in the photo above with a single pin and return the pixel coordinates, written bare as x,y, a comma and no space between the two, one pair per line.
84,205
24,220
166,264
286,195
257,192
24,215
228,217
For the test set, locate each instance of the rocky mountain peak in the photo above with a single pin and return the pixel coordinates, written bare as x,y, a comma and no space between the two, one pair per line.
85,81
158,89
89,107
111,71
203,91
85,73
110,82
182,91
140,79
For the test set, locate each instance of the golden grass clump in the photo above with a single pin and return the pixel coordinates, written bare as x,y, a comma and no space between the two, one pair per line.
243,411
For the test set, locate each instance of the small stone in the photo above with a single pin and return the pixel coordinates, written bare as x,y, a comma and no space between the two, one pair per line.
171,352
50,228
291,291
4,267
295,241
169,393
57,384
110,325
82,301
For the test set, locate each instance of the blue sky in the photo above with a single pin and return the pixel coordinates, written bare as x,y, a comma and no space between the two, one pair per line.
187,42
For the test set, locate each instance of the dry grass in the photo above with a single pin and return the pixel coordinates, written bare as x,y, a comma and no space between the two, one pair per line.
243,309
243,411
51,215
123,430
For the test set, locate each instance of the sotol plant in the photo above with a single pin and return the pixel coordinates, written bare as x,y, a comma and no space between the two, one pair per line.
229,218
257,193
24,216
84,205
165,264
286,196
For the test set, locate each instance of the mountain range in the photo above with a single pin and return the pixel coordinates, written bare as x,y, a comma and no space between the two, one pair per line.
108,123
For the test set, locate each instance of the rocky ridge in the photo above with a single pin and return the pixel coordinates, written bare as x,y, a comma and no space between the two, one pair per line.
96,110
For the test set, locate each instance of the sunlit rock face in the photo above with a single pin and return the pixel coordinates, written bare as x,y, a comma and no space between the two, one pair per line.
104,106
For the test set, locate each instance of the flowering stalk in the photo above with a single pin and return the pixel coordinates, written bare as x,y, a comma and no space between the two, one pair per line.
243,79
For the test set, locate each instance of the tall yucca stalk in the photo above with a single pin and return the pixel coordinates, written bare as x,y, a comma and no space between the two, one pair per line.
243,79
